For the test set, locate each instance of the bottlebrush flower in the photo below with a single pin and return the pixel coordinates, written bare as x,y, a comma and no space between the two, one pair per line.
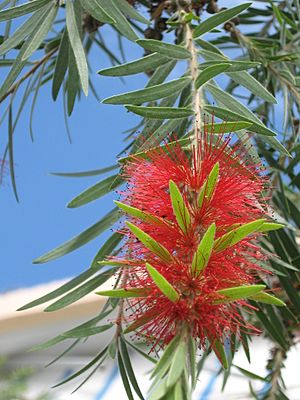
190,259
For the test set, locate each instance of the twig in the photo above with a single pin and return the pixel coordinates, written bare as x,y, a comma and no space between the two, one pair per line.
15,86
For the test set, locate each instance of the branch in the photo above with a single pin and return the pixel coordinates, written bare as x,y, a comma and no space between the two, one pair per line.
15,86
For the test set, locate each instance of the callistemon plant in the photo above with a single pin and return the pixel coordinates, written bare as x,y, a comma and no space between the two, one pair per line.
191,257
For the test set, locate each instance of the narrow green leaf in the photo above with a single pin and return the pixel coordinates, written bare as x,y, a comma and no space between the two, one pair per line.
180,210
87,331
226,114
122,25
138,323
141,215
270,226
83,238
22,9
209,73
166,359
83,174
93,7
61,290
208,189
149,94
61,64
130,11
250,374
125,293
178,364
226,126
161,112
220,352
11,152
95,192
150,243
149,62
268,299
124,377
81,291
234,65
38,35
166,49
77,47
202,255
85,368
236,235
22,32
219,18
72,83
129,369
239,292
163,285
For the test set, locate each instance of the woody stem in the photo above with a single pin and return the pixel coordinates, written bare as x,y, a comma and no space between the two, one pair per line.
196,93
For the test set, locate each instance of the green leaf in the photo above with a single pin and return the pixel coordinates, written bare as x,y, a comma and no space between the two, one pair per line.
61,290
268,299
23,9
149,62
125,293
85,173
138,323
163,285
39,34
99,356
130,11
234,65
209,73
225,114
141,215
93,7
11,152
61,64
77,47
226,126
166,49
87,331
122,24
219,18
236,235
239,292
95,192
150,243
150,93
166,359
161,112
21,33
208,189
249,374
178,364
180,210
80,240
220,352
124,377
81,291
202,255
270,226
129,369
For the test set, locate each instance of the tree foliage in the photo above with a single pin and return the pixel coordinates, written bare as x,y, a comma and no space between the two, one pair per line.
239,62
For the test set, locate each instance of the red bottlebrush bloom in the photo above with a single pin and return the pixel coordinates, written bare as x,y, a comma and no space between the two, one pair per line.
190,250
